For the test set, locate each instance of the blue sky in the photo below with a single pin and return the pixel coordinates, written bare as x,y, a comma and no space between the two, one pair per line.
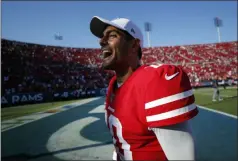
173,23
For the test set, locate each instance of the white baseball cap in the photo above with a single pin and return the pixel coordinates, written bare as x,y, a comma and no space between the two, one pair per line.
98,25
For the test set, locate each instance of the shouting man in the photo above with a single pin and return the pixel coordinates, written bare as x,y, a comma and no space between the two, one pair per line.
148,107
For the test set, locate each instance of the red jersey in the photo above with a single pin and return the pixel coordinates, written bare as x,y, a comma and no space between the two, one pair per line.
153,96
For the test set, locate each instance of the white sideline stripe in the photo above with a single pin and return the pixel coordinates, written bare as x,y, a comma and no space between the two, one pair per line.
168,99
219,112
170,114
44,115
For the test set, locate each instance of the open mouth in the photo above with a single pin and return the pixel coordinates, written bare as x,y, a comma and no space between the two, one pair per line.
106,54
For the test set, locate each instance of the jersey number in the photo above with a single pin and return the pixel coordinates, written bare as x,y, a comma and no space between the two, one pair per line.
113,121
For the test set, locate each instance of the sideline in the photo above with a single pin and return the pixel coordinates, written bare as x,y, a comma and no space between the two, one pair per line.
216,111
16,122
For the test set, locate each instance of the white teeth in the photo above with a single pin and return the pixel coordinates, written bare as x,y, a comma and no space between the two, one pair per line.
106,51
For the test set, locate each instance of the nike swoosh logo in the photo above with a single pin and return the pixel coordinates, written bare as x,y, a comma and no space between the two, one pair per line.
171,76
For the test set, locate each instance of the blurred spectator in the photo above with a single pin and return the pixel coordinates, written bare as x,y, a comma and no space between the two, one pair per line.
39,68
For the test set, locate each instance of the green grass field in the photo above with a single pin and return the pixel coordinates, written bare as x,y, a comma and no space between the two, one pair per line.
17,111
228,105
203,97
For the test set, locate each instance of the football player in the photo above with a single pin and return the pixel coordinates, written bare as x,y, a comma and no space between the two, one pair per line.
148,107
216,91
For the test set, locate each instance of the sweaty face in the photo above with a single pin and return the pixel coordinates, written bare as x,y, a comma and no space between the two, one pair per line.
114,48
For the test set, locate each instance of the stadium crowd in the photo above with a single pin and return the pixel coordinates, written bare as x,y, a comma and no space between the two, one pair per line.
40,68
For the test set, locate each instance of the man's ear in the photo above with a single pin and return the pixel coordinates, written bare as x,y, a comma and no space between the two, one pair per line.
135,45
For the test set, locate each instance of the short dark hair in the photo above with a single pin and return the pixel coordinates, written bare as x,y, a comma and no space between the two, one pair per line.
129,37
140,53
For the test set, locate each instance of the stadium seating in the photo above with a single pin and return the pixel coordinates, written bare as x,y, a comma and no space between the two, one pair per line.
38,68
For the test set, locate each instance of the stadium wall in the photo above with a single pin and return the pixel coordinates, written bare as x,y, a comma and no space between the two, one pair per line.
32,98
